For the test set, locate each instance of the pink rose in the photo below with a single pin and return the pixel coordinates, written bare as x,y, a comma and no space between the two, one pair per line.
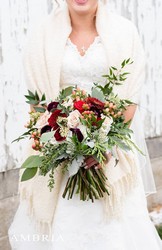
43,120
73,119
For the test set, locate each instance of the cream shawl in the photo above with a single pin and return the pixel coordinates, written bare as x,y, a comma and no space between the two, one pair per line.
42,64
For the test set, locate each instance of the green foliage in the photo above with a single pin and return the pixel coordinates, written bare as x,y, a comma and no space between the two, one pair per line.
33,98
98,94
115,77
32,161
24,135
51,155
65,93
159,230
28,174
45,137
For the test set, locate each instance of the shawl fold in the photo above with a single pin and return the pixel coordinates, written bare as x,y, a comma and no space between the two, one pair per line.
42,59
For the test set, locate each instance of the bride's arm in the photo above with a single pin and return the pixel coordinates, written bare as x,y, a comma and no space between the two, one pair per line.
129,112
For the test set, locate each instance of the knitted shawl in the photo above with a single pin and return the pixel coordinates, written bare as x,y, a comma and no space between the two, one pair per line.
42,60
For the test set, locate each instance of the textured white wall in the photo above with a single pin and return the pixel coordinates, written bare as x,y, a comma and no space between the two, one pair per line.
16,16
146,14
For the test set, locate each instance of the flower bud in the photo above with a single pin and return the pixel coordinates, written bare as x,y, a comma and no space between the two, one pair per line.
33,146
111,105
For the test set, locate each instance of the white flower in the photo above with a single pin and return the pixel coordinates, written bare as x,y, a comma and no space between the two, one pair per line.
68,103
83,130
73,119
43,120
106,125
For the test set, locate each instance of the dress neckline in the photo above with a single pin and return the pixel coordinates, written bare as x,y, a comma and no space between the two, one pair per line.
74,46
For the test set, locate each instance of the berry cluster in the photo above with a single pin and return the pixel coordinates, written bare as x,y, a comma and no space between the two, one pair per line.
111,108
36,144
79,94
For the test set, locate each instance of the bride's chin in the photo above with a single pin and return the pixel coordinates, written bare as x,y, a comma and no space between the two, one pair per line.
81,5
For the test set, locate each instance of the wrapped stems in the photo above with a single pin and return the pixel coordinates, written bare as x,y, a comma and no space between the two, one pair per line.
88,183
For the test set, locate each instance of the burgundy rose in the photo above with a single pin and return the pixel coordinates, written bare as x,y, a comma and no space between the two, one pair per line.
95,102
78,133
53,118
95,105
57,135
52,105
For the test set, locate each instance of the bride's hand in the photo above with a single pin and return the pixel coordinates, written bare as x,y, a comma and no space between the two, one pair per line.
90,161
108,157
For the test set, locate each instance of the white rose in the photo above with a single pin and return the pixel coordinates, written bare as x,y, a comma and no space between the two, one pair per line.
106,125
73,119
43,120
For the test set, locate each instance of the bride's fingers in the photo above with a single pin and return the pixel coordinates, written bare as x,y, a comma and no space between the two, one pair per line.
90,162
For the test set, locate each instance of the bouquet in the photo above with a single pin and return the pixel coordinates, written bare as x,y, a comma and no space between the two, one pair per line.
75,126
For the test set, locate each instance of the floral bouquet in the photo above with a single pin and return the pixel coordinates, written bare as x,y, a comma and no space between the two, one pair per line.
75,126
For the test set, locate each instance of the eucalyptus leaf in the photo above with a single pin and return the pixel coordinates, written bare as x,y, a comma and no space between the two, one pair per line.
32,161
28,174
68,91
40,109
47,136
98,94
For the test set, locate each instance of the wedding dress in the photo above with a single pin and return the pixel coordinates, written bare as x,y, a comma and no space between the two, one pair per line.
80,225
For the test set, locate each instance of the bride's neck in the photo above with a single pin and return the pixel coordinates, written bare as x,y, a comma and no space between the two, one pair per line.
83,24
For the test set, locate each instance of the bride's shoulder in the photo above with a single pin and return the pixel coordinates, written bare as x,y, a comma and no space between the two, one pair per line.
121,23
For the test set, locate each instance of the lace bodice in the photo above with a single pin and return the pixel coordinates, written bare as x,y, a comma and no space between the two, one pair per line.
84,70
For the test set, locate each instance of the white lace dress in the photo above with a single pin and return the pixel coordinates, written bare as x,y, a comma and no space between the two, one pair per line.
79,225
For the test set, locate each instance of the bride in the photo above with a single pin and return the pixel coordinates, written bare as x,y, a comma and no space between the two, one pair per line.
76,44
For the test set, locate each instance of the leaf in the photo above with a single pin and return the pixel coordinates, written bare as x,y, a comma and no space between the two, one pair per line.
37,96
98,94
29,97
31,93
43,97
129,102
33,102
28,174
123,63
47,136
32,161
114,68
110,71
24,135
128,60
68,91
40,109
